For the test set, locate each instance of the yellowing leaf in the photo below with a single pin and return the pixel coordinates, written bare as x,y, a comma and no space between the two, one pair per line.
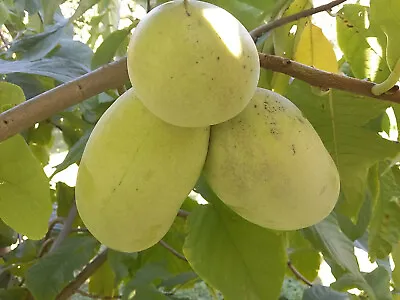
315,50
25,203
101,283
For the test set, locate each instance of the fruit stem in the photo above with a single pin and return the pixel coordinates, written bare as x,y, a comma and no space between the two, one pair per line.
185,3
389,83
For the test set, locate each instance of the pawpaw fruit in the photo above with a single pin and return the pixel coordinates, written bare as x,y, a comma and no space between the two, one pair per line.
135,173
270,166
193,65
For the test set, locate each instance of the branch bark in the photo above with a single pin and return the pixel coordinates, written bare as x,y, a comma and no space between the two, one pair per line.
259,31
113,75
172,250
298,274
66,228
88,271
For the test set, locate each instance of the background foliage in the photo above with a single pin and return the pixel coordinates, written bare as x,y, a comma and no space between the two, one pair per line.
46,43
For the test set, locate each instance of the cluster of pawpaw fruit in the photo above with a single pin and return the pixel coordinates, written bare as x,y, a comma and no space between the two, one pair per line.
194,107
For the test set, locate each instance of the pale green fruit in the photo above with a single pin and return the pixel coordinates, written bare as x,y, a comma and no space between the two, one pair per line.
270,166
194,69
135,173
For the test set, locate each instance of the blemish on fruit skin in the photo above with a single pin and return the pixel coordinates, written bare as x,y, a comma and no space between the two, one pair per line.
255,105
293,149
274,131
218,58
137,189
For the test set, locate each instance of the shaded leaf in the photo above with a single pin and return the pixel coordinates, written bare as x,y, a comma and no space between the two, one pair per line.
254,257
379,280
14,293
319,292
7,235
384,229
102,282
72,255
123,264
341,119
61,69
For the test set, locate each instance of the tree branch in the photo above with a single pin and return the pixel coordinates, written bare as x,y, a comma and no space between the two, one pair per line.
88,271
172,250
259,31
298,274
43,106
66,228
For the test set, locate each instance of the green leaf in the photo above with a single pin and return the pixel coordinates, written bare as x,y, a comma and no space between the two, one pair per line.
363,47
384,13
341,120
74,154
248,262
123,264
106,51
72,255
379,280
37,46
24,190
49,8
327,237
32,85
101,283
384,229
319,292
4,13
14,293
74,51
396,271
73,127
65,196
303,256
7,235
83,6
61,69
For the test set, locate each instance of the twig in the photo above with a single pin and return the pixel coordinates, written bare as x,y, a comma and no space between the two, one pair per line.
66,228
172,250
88,271
44,247
54,222
43,106
298,274
183,213
259,31
3,39
83,293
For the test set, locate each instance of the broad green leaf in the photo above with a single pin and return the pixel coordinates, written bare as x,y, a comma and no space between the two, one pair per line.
49,8
180,280
142,286
106,51
102,282
396,271
72,125
31,84
7,235
61,69
83,6
285,42
74,154
363,45
303,256
14,293
315,50
65,196
327,237
254,257
175,238
73,254
384,229
37,46
4,13
379,279
40,134
74,51
24,191
124,265
341,120
319,292
385,13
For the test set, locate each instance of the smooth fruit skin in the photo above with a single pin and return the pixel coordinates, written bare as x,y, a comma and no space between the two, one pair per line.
269,165
135,173
193,70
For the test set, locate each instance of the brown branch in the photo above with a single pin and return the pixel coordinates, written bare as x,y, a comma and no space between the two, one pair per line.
259,31
88,271
43,106
324,79
298,274
44,247
54,222
172,250
66,228
83,293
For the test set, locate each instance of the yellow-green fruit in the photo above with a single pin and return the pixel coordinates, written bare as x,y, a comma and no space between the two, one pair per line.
193,66
269,165
135,173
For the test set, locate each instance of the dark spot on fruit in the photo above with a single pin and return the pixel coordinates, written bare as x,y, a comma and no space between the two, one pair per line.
350,26
244,66
120,182
137,189
5,122
217,57
212,78
171,77
274,131
293,149
197,62
300,120
255,105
